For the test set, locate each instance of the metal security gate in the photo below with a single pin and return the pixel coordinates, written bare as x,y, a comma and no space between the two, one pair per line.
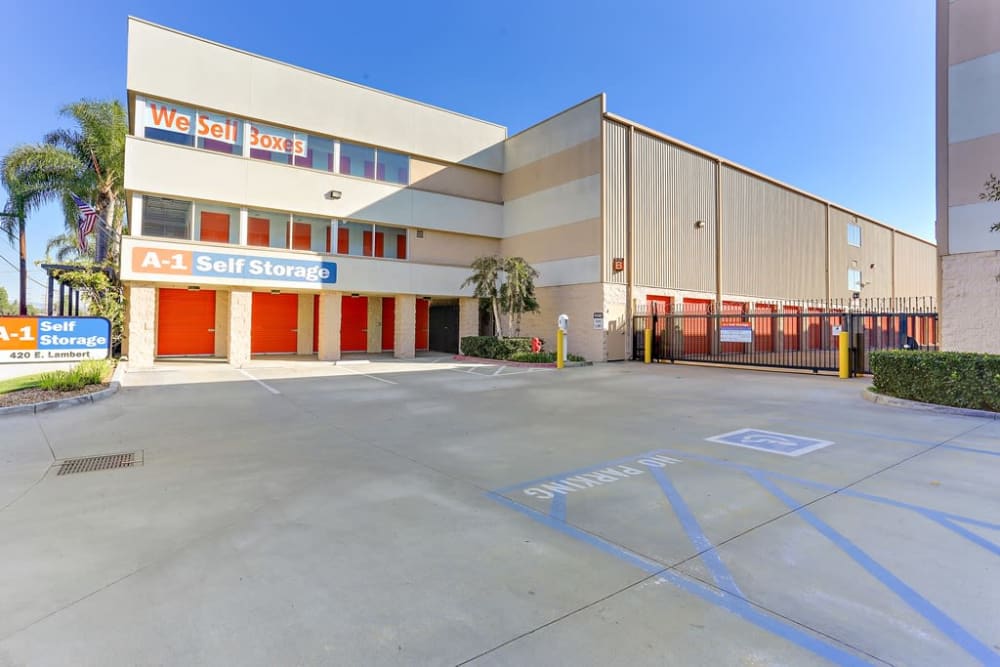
798,335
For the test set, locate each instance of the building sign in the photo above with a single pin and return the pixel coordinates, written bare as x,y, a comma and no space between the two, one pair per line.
34,339
739,333
162,261
270,139
173,118
598,320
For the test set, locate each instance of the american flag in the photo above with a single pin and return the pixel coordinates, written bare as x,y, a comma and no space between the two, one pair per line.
86,222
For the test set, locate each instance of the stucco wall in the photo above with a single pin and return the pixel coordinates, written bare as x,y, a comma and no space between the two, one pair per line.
970,302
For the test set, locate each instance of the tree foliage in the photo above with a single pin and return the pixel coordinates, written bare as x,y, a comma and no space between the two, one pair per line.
103,296
508,284
991,192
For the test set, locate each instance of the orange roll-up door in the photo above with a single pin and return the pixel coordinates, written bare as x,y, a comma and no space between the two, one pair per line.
696,328
423,322
274,321
185,322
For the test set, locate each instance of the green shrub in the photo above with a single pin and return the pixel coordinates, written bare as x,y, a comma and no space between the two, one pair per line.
82,375
958,379
534,357
489,347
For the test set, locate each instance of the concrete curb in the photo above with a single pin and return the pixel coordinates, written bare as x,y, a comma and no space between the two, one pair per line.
33,408
892,401
504,362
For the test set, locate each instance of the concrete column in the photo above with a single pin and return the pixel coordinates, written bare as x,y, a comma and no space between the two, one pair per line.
405,336
221,323
468,318
374,324
304,340
240,306
141,329
329,326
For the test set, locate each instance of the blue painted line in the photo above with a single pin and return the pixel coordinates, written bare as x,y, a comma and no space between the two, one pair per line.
731,603
951,629
827,487
967,534
578,471
707,552
558,507
971,450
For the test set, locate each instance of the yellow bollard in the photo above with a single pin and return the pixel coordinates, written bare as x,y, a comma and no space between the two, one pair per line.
845,356
648,347
559,349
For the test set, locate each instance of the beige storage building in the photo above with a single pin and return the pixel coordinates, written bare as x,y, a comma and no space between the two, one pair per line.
277,210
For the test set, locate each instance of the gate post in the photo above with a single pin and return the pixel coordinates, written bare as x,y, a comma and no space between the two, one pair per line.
845,355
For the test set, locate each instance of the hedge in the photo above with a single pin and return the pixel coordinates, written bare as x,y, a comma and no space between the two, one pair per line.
488,347
958,379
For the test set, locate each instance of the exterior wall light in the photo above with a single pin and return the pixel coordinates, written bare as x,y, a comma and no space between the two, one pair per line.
699,224
333,194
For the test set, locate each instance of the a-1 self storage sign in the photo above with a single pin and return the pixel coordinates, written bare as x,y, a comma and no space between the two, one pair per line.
32,339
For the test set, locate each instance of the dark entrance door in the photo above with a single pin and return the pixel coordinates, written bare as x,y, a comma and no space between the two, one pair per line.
444,329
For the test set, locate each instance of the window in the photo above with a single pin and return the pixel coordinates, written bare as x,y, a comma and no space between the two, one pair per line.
269,230
276,144
169,122
318,153
220,224
854,234
357,160
390,241
392,167
219,133
310,234
853,280
167,218
355,238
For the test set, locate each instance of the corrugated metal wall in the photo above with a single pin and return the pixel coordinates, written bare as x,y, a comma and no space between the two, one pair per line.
674,189
875,249
773,240
915,267
615,198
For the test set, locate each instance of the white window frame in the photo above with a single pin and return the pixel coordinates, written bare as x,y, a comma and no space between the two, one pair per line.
851,227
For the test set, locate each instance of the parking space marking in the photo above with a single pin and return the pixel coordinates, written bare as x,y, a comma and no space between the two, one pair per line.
726,593
770,441
354,372
261,383
719,597
918,603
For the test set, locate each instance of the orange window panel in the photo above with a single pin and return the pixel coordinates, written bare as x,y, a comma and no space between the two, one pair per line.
401,246
214,227
343,240
301,236
258,231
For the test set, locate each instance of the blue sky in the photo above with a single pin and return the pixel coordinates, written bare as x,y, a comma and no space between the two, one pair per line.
836,98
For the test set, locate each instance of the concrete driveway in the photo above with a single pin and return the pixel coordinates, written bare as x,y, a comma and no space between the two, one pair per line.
439,513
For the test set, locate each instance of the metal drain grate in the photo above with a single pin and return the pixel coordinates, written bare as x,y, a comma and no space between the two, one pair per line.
94,463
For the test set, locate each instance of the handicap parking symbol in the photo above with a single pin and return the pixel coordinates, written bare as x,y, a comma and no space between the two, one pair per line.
770,441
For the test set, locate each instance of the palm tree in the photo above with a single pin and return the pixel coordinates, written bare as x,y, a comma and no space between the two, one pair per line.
517,293
485,280
32,175
88,160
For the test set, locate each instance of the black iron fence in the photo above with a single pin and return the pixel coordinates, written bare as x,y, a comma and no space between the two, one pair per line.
800,335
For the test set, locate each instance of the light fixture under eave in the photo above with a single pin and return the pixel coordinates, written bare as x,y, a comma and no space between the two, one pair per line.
333,194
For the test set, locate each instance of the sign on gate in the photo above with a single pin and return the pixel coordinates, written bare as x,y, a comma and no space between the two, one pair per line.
36,339
738,333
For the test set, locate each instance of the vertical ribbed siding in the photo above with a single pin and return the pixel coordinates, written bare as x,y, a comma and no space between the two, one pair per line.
876,249
674,189
615,198
915,267
773,240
